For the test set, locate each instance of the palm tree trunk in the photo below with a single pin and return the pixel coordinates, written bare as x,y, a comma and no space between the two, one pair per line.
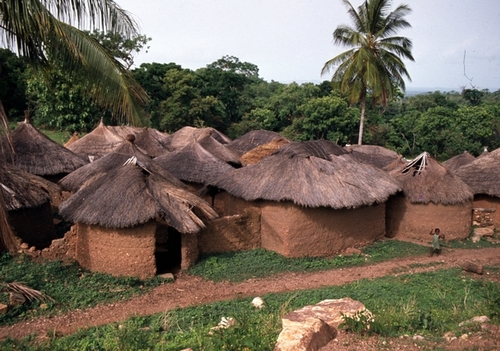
362,120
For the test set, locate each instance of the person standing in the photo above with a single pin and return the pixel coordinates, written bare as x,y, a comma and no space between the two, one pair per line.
436,246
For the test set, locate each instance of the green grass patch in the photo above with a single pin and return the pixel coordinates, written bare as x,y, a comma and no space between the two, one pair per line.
70,285
428,304
57,136
258,263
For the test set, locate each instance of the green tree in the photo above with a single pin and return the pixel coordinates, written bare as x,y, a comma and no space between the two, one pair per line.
374,63
12,83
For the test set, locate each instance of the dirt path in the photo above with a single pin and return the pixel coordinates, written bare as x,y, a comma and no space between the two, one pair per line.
190,291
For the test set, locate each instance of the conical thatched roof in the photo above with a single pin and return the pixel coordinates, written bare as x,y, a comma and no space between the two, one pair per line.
458,161
253,139
195,164
375,155
261,151
147,141
36,153
123,131
308,175
185,135
482,174
218,149
425,180
396,164
97,143
21,189
116,158
71,140
132,193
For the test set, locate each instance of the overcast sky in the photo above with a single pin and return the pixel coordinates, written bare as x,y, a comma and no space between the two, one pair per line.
456,43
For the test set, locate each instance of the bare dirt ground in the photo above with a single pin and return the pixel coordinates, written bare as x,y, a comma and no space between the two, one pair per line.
189,291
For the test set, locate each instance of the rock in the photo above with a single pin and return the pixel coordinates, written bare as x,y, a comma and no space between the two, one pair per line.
352,251
483,232
477,319
3,308
258,302
313,326
473,267
24,246
475,239
167,276
418,337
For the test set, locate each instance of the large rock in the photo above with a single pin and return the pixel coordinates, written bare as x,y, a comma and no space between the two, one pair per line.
314,326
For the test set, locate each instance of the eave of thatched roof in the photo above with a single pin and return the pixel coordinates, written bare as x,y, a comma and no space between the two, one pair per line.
132,194
186,135
36,153
425,180
21,189
252,139
375,155
308,176
483,174
97,143
261,151
458,161
116,158
195,164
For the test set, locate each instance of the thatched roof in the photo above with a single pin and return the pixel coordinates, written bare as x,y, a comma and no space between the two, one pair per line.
425,180
21,189
36,153
71,140
123,131
193,163
147,141
99,168
458,161
482,174
251,140
261,151
185,135
132,193
308,175
398,163
97,143
375,155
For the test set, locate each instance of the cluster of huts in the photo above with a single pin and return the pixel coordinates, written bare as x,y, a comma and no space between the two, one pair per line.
143,202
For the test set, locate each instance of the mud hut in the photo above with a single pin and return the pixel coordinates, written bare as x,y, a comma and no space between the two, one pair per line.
187,134
132,217
483,176
374,155
458,161
432,197
37,154
27,199
97,143
312,202
253,139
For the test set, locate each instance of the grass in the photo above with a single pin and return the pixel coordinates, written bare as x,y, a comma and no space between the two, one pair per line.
428,304
57,136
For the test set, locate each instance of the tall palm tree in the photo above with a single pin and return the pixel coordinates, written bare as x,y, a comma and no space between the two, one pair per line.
43,29
374,63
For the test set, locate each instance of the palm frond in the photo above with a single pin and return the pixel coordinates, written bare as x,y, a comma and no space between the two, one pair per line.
27,292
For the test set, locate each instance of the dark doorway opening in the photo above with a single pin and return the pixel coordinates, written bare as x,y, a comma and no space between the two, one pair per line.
168,250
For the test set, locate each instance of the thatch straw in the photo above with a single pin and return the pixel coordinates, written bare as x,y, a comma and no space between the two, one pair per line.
21,189
35,153
194,164
97,143
308,175
71,140
251,140
482,174
261,151
425,180
133,194
458,161
375,155
186,135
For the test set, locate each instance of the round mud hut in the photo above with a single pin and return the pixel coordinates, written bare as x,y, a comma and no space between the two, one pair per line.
458,161
483,176
432,197
133,218
312,202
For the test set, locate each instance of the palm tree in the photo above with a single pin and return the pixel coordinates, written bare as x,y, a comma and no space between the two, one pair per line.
43,29
374,63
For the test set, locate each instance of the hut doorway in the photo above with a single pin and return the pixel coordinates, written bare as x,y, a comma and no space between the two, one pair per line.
167,249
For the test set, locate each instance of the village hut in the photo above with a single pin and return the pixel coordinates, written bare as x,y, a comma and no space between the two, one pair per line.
253,139
312,202
187,134
27,199
261,151
97,143
375,155
35,153
483,176
132,217
458,161
432,197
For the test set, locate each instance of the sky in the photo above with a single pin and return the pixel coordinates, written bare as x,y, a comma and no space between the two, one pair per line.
456,43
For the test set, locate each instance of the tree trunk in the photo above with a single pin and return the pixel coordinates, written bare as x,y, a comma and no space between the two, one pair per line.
362,119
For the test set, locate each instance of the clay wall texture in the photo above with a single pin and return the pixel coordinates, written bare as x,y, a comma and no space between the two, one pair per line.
485,201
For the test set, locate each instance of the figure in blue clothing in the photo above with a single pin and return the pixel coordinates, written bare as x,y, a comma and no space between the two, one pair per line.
436,246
